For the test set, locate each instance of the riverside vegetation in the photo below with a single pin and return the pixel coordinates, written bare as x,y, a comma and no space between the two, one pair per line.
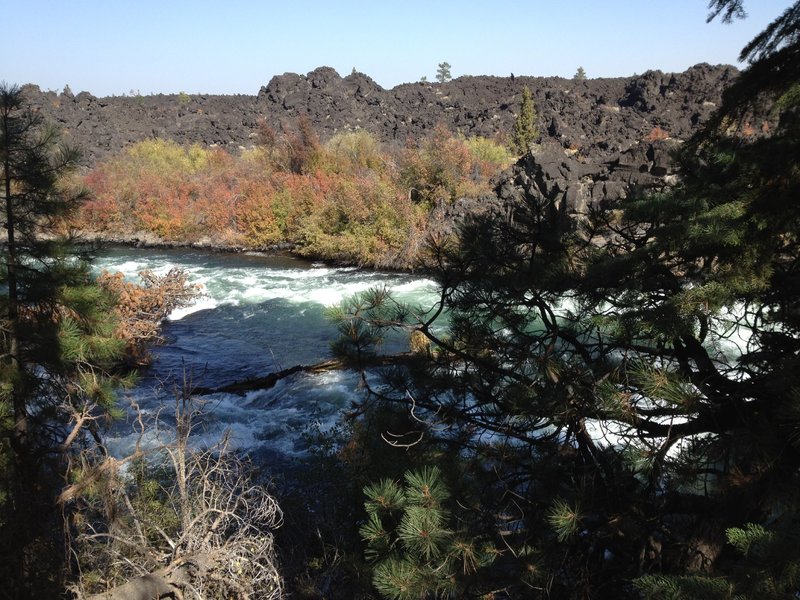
349,200
70,521
187,520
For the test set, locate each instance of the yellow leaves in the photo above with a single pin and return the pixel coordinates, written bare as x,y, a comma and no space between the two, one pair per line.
352,152
349,200
490,156
167,157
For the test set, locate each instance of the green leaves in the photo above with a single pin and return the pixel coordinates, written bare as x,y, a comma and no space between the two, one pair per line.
364,320
771,569
57,341
525,130
565,519
751,537
384,497
425,488
685,588
422,532
408,537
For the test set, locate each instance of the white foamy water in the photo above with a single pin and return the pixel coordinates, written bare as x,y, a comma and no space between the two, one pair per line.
258,315
263,314
226,281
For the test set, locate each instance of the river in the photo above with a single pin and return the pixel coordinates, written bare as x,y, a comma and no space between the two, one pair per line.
259,314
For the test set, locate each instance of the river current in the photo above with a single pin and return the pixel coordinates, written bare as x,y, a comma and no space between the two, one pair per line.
259,314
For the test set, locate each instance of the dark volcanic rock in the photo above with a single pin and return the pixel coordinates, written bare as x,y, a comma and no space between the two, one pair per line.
552,176
596,119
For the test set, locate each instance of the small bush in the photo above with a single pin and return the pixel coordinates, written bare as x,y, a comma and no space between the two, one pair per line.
353,153
656,135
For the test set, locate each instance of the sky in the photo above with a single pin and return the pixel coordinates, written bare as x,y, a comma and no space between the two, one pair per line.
116,47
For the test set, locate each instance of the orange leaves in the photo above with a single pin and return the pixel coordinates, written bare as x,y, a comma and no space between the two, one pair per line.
349,200
656,135
141,308
180,194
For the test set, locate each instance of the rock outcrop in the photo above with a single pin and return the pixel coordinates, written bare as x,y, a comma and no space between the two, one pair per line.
568,185
574,185
595,119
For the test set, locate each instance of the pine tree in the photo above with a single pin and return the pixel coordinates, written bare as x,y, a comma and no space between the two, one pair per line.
632,378
580,74
411,543
56,339
525,130
443,72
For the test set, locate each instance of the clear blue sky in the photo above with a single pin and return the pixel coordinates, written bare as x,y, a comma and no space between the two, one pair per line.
204,46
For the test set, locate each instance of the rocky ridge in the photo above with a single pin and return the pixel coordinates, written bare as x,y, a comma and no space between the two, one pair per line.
593,118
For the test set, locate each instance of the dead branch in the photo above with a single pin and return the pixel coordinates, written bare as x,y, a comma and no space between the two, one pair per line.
209,535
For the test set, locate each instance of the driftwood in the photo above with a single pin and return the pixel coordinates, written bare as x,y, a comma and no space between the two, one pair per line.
269,381
168,582
175,582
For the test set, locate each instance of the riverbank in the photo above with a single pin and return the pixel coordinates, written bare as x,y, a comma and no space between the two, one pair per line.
147,240
144,239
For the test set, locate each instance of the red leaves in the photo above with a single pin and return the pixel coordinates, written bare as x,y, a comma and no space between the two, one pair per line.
347,200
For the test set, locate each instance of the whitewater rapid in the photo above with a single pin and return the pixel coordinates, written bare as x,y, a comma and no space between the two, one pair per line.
258,314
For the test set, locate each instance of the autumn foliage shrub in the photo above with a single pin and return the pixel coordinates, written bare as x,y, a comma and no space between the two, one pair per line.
656,135
362,220
444,167
354,153
160,187
349,199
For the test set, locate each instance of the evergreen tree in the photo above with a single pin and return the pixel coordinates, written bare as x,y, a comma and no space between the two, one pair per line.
632,378
580,74
525,130
56,338
411,540
443,72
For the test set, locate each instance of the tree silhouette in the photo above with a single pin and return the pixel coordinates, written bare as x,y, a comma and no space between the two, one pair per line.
630,376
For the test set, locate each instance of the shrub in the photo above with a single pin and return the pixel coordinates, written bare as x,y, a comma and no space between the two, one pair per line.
347,200
434,169
353,153
488,155
361,220
656,134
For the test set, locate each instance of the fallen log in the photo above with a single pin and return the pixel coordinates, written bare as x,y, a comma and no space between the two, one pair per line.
268,381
